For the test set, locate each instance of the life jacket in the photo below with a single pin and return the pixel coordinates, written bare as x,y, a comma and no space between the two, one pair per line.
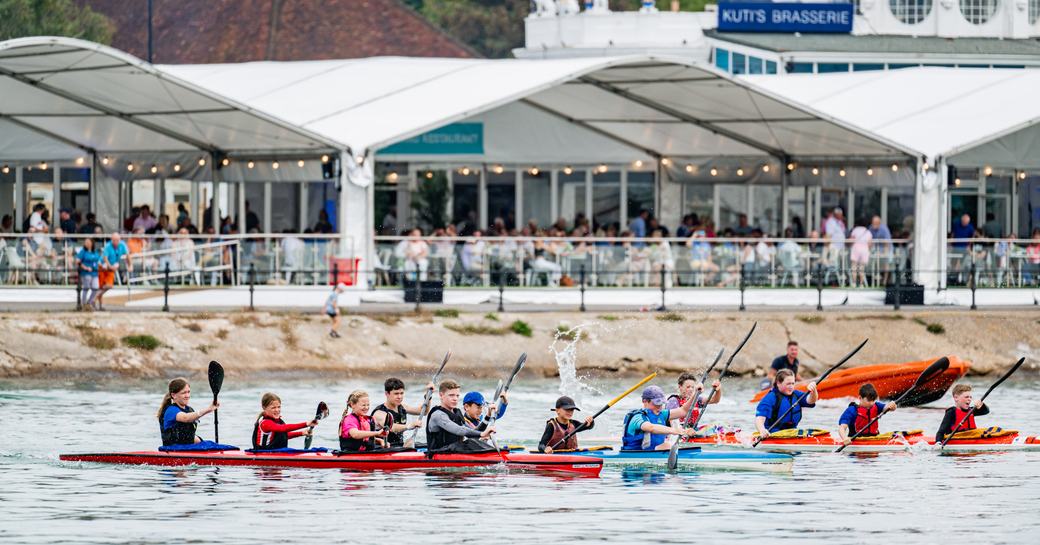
269,440
348,443
864,415
968,424
436,440
400,416
559,432
641,440
180,433
793,417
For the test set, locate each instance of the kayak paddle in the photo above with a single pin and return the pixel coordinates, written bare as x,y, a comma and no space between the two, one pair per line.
216,380
516,371
934,370
429,394
604,409
971,410
673,454
321,412
806,394
493,418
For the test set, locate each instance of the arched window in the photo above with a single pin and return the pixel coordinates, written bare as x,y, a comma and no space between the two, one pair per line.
911,12
1034,11
978,12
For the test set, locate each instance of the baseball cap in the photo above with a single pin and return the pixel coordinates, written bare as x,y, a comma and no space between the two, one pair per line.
473,397
654,394
566,402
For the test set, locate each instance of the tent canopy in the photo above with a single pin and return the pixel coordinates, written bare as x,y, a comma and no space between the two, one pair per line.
666,107
970,117
63,97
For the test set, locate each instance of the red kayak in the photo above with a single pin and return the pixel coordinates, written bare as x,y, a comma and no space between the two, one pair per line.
891,380
362,461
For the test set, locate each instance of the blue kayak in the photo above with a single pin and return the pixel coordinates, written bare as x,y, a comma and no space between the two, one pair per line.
695,458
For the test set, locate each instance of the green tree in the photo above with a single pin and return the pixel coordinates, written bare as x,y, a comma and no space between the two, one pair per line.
430,200
20,18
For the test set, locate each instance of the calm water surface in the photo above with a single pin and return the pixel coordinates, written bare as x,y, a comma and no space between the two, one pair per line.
899,497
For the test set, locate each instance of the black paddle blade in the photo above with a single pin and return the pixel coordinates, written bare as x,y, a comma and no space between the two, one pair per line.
1005,377
322,411
516,370
216,378
932,372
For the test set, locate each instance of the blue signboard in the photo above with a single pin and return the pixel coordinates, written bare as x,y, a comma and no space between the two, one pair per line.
785,17
454,139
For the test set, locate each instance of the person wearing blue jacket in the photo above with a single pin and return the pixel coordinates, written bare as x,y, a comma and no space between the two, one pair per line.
772,414
859,416
474,415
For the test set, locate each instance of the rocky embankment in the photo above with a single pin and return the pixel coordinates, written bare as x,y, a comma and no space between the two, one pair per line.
71,346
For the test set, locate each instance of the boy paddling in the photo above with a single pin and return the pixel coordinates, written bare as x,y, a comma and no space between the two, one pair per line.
445,427
647,428
559,426
394,412
961,404
473,410
857,415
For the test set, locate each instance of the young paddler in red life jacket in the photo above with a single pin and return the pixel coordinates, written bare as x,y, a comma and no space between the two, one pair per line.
961,404
689,387
395,412
560,425
177,420
357,431
858,414
270,431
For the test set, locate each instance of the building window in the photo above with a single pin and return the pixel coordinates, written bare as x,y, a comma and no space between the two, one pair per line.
754,65
912,12
828,67
863,67
897,66
978,11
1034,11
771,65
799,68
722,59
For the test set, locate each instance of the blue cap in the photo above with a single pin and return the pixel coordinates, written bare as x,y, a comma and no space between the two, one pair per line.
655,395
473,397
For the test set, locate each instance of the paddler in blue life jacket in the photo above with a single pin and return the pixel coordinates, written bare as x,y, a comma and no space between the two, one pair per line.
647,428
477,413
177,420
777,402
858,414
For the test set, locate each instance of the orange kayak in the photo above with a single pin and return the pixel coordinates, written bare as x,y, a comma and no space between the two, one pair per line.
891,380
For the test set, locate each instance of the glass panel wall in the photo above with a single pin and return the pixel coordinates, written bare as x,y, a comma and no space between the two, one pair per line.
733,200
606,198
537,199
285,207
640,194
901,212
465,204
571,189
698,199
766,212
501,201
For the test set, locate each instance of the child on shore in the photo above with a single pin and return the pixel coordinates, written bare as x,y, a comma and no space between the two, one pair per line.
270,432
961,404
560,425
332,309
857,415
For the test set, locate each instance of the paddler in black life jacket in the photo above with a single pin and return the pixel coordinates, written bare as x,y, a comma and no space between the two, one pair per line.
177,420
446,427
961,404
858,414
774,404
270,432
394,412
357,431
561,425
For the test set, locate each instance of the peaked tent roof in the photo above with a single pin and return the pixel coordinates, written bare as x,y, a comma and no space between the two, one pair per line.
666,106
63,96
942,111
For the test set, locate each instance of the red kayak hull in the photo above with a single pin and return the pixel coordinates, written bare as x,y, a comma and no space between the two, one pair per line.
360,462
890,379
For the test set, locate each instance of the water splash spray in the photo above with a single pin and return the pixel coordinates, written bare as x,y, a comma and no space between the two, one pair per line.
566,362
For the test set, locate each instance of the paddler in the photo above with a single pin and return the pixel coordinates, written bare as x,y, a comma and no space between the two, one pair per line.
690,387
560,425
779,400
961,404
177,420
393,413
788,360
477,413
647,428
445,427
357,431
858,414
270,432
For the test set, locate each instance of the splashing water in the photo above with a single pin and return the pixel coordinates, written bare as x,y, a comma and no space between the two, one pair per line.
566,362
